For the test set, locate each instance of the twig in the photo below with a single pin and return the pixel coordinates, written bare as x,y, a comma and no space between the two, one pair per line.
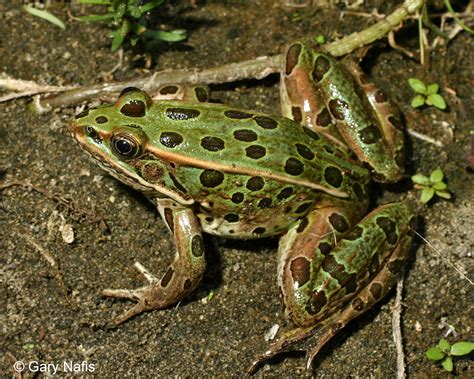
255,68
396,330
424,137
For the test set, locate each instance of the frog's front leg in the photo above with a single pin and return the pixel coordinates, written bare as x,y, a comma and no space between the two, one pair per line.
333,285
181,277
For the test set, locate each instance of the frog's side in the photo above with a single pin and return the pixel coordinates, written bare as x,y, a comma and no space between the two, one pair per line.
242,174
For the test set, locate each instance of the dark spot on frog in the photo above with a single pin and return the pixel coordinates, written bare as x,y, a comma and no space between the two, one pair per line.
187,285
333,176
211,178
209,219
287,209
212,143
255,183
181,114
321,67
231,217
151,172
292,57
350,283
303,207
265,203
134,108
370,134
82,114
302,225
311,133
323,118
285,193
169,218
338,222
294,167
101,120
304,151
265,122
167,277
171,139
296,113
300,270
317,302
380,97
335,269
201,94
358,304
245,135
388,227
259,230
338,108
177,184
237,197
376,290
197,246
374,265
324,248
168,90
255,151
238,115
364,79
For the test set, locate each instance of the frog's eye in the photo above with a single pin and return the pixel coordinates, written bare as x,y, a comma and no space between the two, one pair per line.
125,146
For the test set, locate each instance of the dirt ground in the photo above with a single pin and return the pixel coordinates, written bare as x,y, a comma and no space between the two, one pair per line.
54,313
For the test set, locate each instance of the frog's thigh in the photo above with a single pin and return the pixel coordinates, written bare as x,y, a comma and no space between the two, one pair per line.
301,252
317,281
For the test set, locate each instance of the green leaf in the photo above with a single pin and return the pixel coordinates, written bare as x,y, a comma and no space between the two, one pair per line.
436,176
444,345
28,346
448,364
117,40
98,2
96,17
443,194
434,354
171,36
149,6
418,101
45,16
462,348
320,39
421,179
436,100
427,194
432,88
417,85
439,186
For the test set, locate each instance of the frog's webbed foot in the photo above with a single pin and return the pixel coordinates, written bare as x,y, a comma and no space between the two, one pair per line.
314,336
144,296
181,277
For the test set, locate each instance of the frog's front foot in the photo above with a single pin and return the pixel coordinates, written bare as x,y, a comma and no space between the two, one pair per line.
158,294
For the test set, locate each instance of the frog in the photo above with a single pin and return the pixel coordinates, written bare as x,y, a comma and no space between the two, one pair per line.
302,176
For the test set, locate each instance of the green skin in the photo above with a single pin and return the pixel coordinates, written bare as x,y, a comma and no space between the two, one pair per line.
242,174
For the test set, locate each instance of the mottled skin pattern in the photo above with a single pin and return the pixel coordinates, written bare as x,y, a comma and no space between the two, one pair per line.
242,174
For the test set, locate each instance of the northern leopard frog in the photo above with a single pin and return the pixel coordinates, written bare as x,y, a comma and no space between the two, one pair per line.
243,174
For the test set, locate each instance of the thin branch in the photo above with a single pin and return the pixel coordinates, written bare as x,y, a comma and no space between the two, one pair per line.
396,330
255,68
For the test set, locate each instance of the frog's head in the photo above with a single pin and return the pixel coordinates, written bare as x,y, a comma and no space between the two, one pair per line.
114,136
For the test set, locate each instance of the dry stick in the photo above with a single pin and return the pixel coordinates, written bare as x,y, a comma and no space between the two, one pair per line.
396,330
255,68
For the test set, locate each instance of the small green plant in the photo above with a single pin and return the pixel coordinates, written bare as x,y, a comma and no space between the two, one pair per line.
45,15
426,94
128,16
431,185
444,352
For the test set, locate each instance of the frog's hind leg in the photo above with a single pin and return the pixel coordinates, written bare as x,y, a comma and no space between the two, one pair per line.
343,282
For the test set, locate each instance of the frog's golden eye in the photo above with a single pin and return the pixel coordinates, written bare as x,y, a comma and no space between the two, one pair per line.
125,146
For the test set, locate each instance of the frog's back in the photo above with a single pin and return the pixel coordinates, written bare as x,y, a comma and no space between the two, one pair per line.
229,140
